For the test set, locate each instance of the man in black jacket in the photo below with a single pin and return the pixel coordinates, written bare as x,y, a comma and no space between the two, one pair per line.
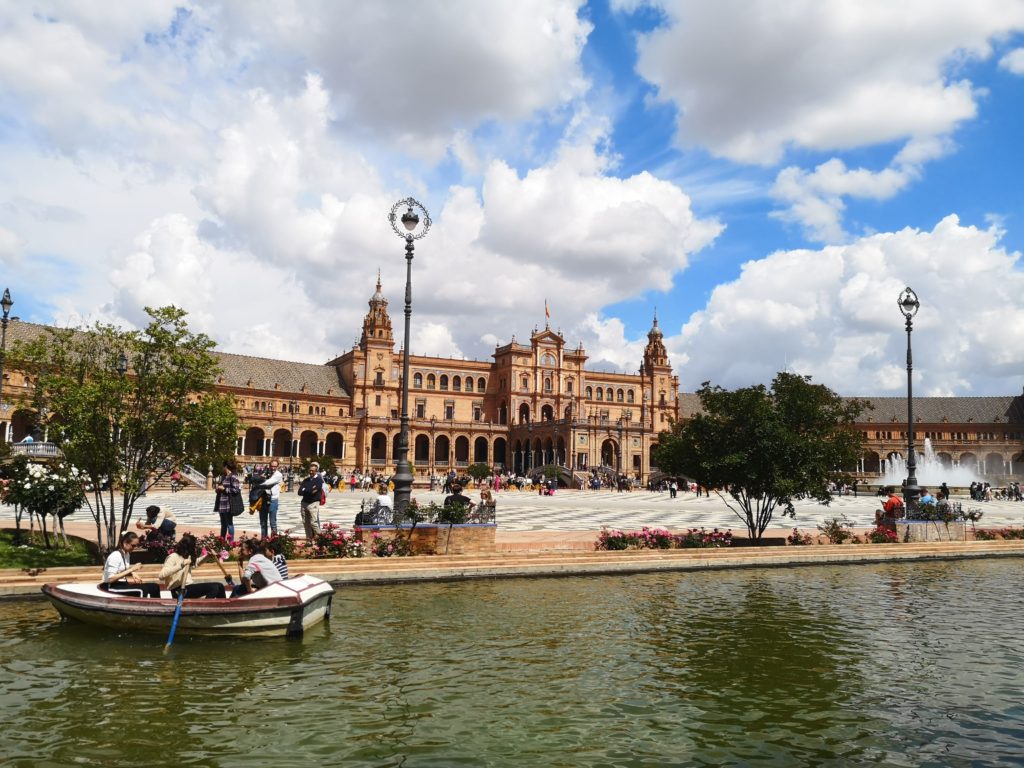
311,490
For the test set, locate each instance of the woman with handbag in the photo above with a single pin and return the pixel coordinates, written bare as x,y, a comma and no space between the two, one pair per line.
229,502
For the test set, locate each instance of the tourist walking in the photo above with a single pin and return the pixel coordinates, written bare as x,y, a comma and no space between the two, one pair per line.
229,499
311,489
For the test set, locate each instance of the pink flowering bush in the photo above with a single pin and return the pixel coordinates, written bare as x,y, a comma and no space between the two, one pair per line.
390,546
659,538
332,541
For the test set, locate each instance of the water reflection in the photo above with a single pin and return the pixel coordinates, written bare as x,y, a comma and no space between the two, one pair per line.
895,664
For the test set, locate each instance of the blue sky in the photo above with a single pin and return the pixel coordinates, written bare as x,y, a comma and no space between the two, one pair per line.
766,175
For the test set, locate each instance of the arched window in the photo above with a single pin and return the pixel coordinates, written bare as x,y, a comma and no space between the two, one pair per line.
444,382
469,383
481,385
431,381
526,382
629,396
610,394
590,393
547,384
600,394
620,396
457,384
568,386
417,380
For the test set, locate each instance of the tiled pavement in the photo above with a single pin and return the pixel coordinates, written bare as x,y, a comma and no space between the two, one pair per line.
565,511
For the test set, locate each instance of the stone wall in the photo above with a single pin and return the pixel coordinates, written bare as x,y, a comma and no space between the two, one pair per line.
930,530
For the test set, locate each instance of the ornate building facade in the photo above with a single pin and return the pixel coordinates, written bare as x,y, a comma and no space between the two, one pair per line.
533,403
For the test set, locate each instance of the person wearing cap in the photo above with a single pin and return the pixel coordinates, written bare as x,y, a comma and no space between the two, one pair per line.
310,490
157,522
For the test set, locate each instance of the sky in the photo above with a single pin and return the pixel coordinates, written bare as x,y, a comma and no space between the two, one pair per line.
764,177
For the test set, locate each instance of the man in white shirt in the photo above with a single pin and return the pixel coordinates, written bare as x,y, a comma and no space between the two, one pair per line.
268,512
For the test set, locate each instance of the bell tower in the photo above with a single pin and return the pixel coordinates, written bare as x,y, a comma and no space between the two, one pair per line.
377,324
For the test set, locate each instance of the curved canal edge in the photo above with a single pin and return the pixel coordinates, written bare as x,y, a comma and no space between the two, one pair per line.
374,570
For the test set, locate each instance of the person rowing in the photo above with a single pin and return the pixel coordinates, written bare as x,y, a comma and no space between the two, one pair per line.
177,572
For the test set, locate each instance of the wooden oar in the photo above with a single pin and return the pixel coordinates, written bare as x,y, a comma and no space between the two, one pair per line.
177,609
227,576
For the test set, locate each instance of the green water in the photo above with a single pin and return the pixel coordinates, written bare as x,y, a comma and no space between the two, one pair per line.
904,665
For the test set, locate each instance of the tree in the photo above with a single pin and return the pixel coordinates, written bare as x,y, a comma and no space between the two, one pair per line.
42,488
478,471
763,447
126,407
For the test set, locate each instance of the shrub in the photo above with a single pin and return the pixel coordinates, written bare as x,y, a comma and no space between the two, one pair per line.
881,535
332,541
836,530
799,539
615,540
984,534
385,546
655,538
702,538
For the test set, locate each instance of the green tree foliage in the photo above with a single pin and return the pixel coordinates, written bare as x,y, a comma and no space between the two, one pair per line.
327,465
478,471
765,447
126,430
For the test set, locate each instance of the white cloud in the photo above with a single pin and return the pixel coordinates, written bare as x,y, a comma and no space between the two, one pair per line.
419,73
751,79
1013,61
10,248
832,313
816,200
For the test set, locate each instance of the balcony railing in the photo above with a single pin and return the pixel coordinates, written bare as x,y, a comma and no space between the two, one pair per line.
38,450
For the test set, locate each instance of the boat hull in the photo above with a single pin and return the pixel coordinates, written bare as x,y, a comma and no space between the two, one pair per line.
282,609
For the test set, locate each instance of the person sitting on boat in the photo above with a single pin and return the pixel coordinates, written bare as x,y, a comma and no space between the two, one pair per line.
119,574
272,549
177,572
157,522
258,572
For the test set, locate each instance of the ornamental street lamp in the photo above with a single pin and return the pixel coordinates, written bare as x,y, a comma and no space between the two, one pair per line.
909,305
410,222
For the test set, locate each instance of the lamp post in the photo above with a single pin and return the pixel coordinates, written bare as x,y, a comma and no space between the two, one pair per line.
410,222
909,305
430,454
6,303
293,408
618,452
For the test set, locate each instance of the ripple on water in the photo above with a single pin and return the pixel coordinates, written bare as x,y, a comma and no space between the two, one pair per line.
903,664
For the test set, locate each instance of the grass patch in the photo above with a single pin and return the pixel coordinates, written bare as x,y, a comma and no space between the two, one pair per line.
35,555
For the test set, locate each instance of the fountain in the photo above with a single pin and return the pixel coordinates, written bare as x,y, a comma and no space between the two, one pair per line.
930,471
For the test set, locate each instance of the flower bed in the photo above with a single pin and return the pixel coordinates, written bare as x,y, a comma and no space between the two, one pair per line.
659,538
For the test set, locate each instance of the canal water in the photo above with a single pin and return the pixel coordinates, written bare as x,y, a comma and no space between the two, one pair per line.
897,664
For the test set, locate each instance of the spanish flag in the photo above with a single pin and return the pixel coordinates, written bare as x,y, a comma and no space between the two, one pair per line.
547,312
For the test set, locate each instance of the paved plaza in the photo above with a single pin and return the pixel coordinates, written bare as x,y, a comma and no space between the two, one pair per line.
565,511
